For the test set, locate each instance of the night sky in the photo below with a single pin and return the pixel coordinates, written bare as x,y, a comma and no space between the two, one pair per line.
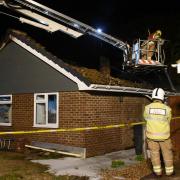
126,20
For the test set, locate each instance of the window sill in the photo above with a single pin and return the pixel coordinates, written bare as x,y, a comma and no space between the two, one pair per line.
5,124
45,126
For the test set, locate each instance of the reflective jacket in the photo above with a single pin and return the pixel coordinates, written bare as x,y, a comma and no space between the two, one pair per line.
157,116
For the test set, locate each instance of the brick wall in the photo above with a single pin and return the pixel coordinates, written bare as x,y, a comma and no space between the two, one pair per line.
81,109
174,103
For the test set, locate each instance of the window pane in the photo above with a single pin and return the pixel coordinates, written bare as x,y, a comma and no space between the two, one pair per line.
40,113
52,108
5,98
40,97
5,113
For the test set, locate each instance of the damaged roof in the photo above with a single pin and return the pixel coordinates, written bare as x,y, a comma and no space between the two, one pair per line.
89,76
87,79
96,77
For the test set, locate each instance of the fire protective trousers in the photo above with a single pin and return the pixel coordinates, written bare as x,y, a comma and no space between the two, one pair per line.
166,148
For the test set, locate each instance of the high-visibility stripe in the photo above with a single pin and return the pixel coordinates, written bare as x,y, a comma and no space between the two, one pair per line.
157,134
157,169
169,168
157,119
169,171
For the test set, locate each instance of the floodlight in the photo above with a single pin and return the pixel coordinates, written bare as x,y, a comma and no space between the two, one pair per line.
99,30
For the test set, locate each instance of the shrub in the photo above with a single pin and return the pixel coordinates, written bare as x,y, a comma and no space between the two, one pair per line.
139,157
117,163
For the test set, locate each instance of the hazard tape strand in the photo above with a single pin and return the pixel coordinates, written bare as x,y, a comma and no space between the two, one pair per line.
176,117
77,129
71,129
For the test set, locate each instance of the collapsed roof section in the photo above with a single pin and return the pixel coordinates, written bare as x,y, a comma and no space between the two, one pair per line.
86,79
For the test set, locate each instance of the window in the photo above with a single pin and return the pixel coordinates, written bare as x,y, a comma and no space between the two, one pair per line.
46,110
5,110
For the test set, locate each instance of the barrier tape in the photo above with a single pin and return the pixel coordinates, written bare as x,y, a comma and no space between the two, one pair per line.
76,129
176,117
72,129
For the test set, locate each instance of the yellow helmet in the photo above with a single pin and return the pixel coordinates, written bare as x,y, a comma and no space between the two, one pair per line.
158,32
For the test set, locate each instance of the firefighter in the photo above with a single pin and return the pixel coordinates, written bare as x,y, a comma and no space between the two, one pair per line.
158,116
149,46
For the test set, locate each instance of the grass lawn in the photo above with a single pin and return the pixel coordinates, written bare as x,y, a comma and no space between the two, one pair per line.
16,166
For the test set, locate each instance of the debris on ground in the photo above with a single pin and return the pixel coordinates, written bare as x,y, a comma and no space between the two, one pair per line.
133,172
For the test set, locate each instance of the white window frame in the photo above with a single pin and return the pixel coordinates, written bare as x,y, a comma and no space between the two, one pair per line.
47,125
7,102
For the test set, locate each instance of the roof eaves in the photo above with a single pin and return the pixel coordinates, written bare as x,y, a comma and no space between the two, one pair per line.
122,89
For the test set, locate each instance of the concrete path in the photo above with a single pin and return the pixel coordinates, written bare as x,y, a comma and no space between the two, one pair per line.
90,167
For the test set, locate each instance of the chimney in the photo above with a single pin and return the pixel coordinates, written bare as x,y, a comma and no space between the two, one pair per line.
105,66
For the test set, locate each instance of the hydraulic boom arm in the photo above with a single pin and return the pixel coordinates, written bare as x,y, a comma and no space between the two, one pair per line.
51,20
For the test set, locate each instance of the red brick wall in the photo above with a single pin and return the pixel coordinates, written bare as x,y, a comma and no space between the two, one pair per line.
174,103
81,109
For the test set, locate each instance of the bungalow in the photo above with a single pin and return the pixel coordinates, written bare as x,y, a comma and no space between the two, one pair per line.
40,91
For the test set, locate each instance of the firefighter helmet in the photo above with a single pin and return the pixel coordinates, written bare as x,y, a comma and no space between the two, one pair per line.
158,93
158,33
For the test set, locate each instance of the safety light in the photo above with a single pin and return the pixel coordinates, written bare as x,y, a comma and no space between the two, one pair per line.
99,30
76,25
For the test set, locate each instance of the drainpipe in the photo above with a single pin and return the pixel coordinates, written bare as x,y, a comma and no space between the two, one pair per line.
145,150
169,79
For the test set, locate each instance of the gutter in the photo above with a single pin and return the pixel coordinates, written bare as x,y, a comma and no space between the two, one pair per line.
121,89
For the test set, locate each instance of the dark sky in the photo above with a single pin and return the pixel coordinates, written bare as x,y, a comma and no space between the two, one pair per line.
120,18
126,20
